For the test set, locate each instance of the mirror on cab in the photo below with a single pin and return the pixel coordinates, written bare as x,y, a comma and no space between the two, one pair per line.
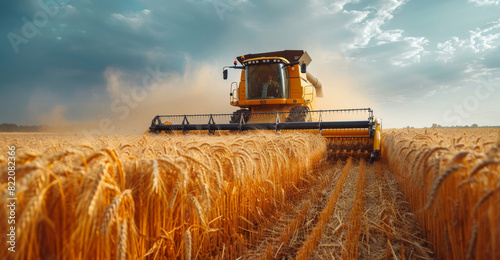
224,73
303,67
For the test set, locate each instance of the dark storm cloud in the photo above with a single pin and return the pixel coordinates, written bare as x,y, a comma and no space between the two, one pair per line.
68,54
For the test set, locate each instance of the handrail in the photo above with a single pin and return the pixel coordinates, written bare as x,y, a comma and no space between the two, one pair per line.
369,110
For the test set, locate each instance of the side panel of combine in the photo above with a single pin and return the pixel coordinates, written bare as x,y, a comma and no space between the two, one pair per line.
295,85
242,88
377,137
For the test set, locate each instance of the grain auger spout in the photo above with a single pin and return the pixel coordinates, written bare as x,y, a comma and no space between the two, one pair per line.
318,87
277,93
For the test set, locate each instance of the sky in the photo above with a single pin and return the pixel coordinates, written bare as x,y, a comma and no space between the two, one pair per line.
117,64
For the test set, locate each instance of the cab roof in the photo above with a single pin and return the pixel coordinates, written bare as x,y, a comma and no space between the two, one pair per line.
290,55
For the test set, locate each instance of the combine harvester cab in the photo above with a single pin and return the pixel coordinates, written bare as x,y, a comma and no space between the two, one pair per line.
277,93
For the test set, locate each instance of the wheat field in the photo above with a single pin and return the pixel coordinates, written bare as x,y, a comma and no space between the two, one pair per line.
451,178
159,196
435,194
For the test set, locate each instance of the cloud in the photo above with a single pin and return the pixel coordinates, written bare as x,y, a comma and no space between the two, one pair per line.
413,53
481,40
367,27
478,41
429,94
133,20
389,36
370,27
336,7
477,71
484,2
446,50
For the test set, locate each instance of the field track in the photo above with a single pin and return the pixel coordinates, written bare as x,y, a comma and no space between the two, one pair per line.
336,216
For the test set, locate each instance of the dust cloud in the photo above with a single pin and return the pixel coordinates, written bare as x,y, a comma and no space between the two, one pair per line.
134,98
340,89
199,90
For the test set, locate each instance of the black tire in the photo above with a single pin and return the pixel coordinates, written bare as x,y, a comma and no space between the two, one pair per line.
236,117
297,114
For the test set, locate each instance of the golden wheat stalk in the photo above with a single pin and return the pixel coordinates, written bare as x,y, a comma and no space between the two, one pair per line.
439,181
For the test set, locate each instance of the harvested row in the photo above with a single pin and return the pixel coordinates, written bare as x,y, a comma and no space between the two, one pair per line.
331,244
383,228
318,197
452,181
293,227
391,230
358,210
310,244
154,197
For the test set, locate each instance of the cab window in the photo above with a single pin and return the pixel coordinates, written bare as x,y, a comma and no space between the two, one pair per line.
265,81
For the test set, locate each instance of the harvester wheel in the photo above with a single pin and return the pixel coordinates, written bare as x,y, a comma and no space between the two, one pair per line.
297,114
236,117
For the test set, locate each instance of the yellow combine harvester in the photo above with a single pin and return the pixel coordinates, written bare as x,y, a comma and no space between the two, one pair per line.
276,92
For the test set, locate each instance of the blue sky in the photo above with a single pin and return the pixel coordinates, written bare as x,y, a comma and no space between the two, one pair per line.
122,62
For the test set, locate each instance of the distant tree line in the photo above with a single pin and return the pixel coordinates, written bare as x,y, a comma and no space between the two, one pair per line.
457,126
35,128
18,128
